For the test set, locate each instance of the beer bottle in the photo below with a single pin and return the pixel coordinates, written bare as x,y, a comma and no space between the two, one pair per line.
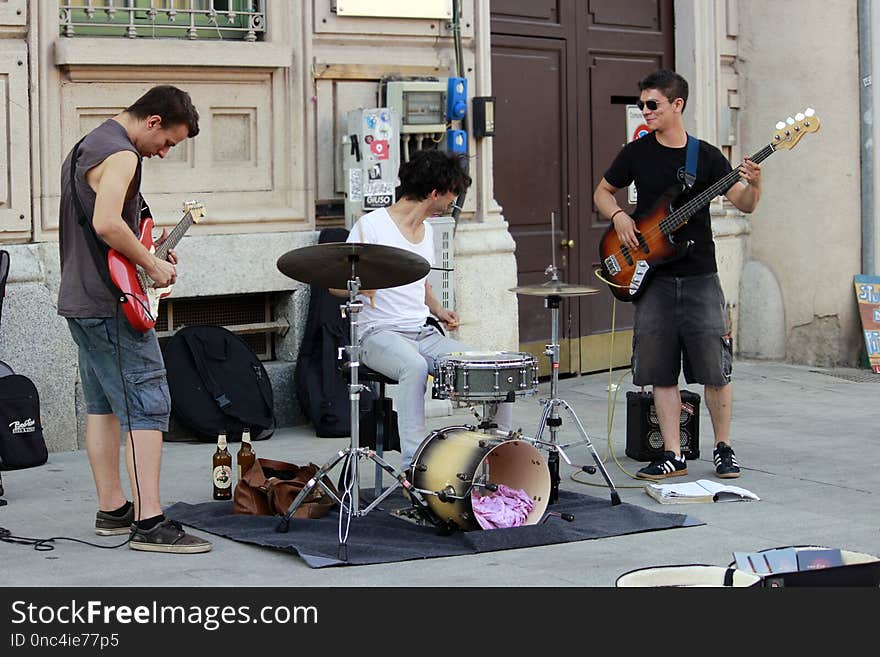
246,456
222,470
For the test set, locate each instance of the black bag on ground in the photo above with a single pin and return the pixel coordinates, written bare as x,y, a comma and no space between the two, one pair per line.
388,424
22,444
321,388
218,383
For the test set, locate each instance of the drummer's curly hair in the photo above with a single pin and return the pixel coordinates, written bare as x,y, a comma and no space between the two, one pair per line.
429,170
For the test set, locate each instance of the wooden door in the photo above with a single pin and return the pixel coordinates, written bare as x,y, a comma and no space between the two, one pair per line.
563,72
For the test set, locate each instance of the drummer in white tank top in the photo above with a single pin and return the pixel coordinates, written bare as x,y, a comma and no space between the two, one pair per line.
403,307
395,340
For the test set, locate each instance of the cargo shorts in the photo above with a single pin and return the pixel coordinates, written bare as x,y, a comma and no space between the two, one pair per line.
682,321
108,346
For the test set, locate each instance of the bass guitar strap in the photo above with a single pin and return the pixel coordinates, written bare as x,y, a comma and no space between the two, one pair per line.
690,163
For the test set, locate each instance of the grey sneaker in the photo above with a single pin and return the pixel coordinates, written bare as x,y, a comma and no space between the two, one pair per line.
110,525
167,536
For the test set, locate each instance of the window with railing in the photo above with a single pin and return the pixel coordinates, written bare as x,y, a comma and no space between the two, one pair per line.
241,20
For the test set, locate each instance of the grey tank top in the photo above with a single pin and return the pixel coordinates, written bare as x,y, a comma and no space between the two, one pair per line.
83,291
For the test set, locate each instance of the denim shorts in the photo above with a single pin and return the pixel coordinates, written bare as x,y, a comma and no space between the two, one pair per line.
109,345
681,320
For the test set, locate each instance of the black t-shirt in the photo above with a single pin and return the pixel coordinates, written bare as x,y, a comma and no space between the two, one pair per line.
655,169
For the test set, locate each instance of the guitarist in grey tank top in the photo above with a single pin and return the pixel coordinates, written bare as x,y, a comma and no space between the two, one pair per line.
121,369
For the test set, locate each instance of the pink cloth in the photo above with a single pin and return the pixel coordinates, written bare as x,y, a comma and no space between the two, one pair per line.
505,507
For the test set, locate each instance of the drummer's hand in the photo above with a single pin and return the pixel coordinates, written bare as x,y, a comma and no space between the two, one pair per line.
370,294
449,317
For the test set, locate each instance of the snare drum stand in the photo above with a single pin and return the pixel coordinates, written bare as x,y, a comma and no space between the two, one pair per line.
550,416
353,454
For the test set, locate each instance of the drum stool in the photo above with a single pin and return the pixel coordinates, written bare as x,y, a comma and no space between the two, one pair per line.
382,416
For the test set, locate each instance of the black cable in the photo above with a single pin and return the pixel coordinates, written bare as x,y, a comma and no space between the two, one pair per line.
44,544
137,486
459,69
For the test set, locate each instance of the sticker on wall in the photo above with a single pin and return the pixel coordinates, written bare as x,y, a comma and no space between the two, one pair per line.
635,129
355,185
379,148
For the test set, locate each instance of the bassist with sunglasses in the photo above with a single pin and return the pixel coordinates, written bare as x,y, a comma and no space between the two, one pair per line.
680,316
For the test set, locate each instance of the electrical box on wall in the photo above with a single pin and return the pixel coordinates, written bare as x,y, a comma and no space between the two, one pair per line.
456,98
456,141
483,117
421,104
371,159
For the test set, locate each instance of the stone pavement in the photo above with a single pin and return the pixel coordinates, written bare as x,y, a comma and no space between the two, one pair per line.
807,439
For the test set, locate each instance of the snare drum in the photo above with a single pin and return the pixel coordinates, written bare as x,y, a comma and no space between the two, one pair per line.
485,375
453,463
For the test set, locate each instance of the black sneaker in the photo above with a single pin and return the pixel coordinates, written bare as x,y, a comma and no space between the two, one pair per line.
167,536
726,466
107,524
668,466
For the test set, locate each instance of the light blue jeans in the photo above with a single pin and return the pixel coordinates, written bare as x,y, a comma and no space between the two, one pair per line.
408,357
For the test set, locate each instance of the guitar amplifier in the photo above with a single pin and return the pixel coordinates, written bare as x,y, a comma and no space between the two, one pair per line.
644,442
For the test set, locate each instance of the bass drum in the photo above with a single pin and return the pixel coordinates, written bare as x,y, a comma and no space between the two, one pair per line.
453,462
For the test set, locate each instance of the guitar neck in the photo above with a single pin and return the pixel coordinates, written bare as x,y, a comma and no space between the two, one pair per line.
680,216
175,236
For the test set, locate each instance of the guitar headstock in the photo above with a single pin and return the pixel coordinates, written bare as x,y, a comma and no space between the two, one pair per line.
791,131
195,209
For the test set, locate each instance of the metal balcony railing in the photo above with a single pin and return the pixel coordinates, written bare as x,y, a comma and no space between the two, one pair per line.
241,20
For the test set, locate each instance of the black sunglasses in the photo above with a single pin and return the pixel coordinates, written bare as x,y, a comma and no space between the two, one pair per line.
650,104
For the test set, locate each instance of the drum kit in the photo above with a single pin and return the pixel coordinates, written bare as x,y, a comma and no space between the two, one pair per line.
452,463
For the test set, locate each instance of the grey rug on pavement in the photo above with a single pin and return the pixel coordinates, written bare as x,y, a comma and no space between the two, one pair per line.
379,537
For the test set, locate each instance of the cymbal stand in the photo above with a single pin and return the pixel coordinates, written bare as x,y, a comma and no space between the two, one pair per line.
354,452
550,415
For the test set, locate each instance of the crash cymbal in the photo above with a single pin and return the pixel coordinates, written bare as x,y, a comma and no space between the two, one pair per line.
554,289
332,264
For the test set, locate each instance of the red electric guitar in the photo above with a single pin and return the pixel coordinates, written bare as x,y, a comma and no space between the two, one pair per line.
627,271
141,296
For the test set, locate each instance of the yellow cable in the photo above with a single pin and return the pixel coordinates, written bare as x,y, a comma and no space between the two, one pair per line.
612,402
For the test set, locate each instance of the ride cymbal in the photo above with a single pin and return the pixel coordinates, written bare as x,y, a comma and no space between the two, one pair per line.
554,289
333,264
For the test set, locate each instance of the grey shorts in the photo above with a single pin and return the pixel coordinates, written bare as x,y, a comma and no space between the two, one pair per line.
144,395
681,320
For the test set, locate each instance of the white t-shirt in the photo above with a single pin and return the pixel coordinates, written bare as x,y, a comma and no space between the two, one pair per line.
396,308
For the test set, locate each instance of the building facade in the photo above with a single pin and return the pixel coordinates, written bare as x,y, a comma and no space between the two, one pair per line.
273,81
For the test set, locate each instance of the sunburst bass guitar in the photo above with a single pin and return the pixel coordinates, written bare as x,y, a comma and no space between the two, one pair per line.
628,271
142,298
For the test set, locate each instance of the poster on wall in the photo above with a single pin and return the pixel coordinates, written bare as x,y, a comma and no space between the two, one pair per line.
868,297
635,128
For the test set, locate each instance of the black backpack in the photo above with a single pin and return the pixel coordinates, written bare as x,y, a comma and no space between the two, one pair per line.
218,384
21,431
22,444
321,387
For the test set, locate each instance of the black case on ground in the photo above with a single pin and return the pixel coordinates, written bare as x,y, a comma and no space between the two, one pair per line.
218,383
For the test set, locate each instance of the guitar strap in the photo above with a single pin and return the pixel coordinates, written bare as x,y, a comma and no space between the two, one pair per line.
97,248
690,163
